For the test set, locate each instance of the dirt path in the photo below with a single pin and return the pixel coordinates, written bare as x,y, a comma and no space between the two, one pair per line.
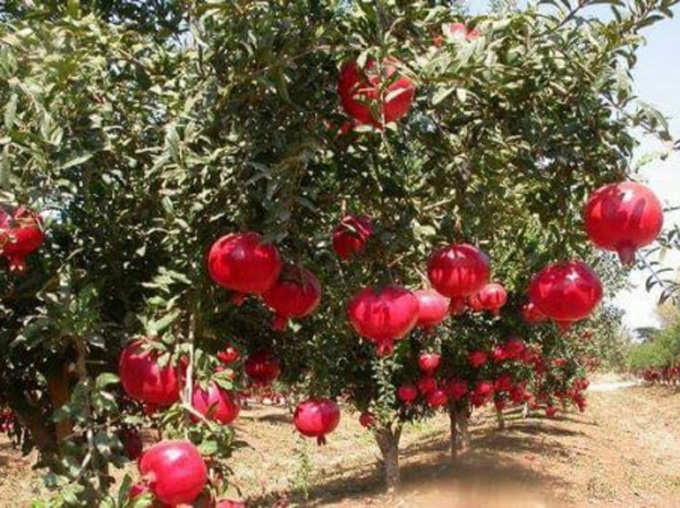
624,451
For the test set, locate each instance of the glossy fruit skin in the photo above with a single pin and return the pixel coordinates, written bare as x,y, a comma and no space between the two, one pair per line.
429,362
407,393
356,95
383,317
456,389
174,470
458,306
317,417
459,270
295,294
474,303
241,263
623,217
262,368
228,355
432,308
367,420
482,393
493,296
566,292
426,385
503,383
532,314
476,358
514,349
144,380
351,234
20,235
215,403
437,398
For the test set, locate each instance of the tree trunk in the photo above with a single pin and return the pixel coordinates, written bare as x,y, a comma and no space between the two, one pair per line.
525,410
462,420
454,431
500,419
58,390
388,442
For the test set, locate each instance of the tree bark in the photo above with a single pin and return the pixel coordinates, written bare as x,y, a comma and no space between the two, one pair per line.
388,442
500,419
59,393
463,434
454,431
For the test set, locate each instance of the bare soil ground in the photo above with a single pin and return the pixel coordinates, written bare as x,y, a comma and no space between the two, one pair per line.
623,451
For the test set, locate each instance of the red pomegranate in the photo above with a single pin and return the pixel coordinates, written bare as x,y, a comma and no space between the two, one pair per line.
437,398
132,442
474,303
20,235
456,389
317,417
351,235
532,314
174,471
432,308
262,368
498,354
500,404
215,403
517,394
458,270
383,317
241,263
458,306
514,349
296,293
143,379
503,383
459,30
623,217
476,359
566,292
482,393
357,96
407,393
550,411
426,385
492,297
429,362
366,419
228,355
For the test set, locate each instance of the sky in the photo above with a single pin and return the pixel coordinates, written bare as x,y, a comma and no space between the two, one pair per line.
657,82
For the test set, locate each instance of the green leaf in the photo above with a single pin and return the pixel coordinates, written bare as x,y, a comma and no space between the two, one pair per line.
11,111
105,379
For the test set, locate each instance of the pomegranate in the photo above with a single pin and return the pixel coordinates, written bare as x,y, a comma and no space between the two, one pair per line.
492,297
458,306
550,411
296,293
458,270
351,235
367,420
503,383
498,354
474,303
454,31
476,359
383,317
215,403
566,292
532,314
228,355
407,393
500,404
317,417
241,263
132,443
517,394
456,389
426,385
358,96
262,368
514,349
174,471
432,308
20,235
437,398
429,362
623,217
482,393
146,381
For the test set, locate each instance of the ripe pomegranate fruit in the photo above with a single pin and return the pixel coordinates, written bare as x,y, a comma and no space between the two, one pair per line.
458,270
215,403
174,471
432,308
366,419
296,293
262,368
351,235
456,389
514,348
503,383
429,362
383,317
459,30
241,263
360,96
474,303
532,314
407,393
517,394
146,381
492,297
426,385
623,217
437,398
458,306
566,292
228,355
476,359
500,404
20,235
482,393
498,354
132,443
317,417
